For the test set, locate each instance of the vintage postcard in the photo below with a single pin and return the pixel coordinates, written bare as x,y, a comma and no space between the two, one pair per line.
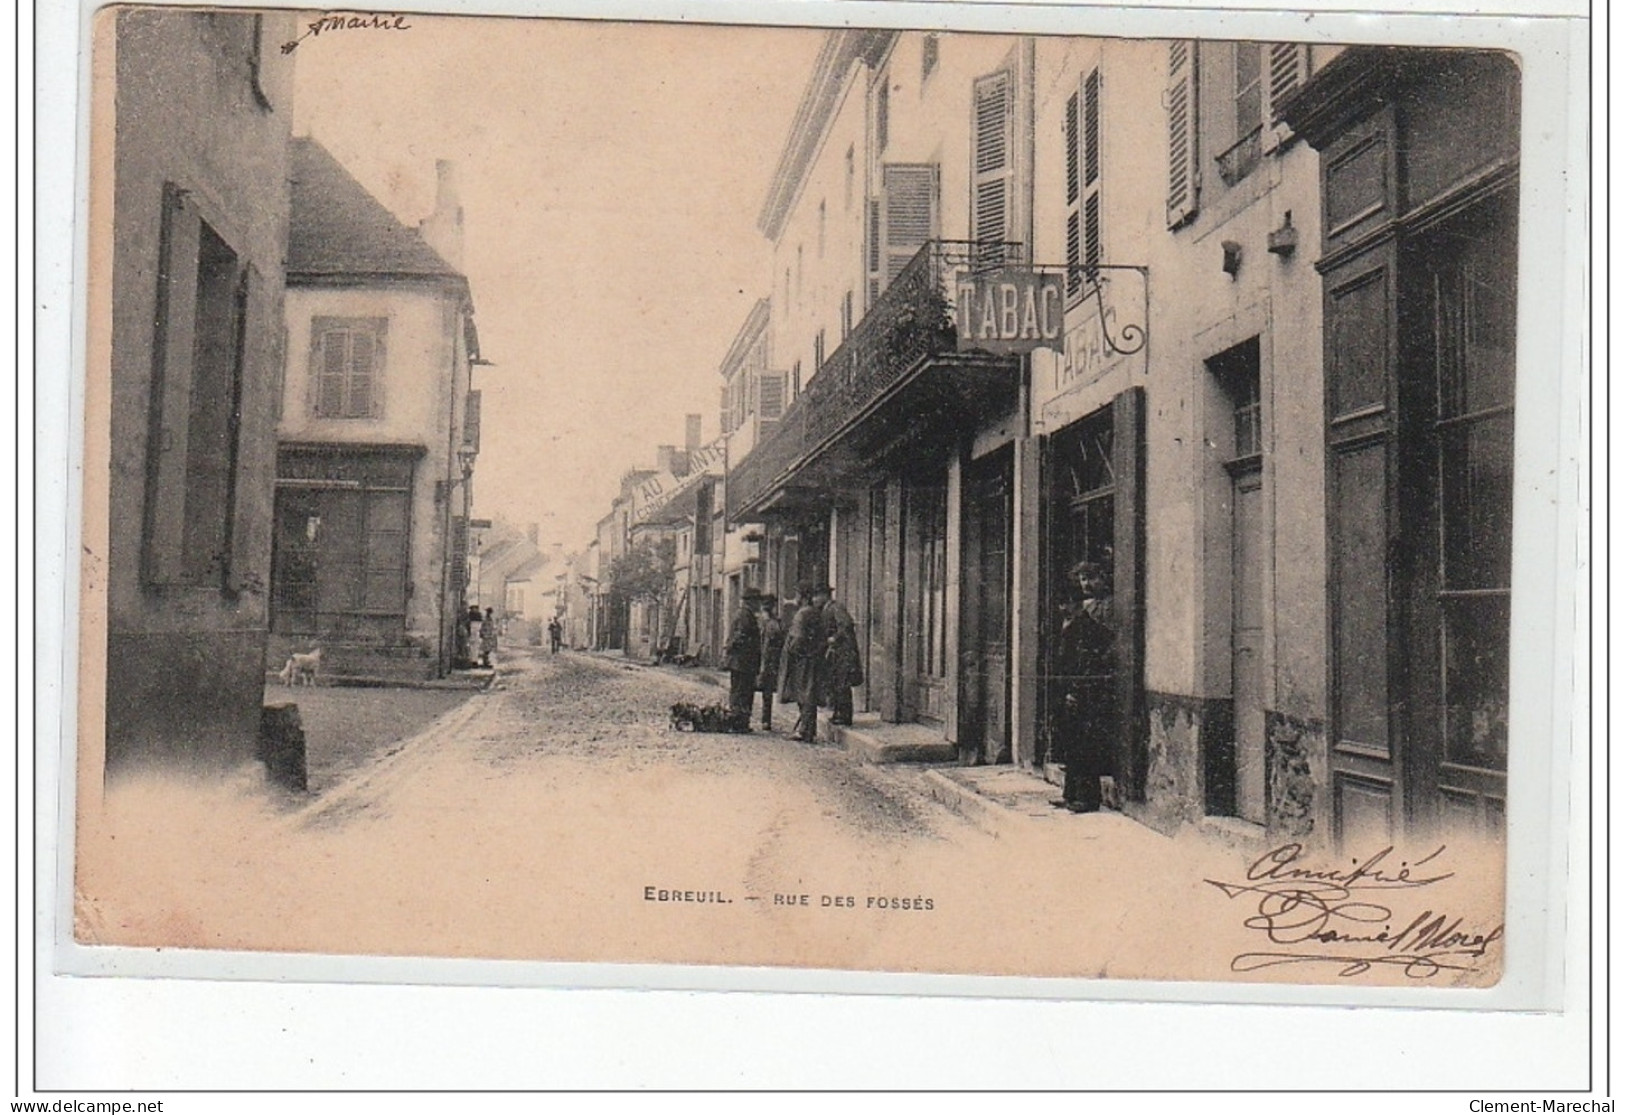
1066,497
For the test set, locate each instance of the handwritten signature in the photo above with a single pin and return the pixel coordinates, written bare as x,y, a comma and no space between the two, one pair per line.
348,22
1332,914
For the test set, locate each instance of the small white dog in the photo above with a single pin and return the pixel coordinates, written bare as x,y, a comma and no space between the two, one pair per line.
302,667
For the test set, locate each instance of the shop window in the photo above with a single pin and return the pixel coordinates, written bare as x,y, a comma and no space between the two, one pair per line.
347,366
1474,313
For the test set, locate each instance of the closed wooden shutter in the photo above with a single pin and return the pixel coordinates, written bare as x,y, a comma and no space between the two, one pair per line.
471,421
1074,181
909,214
1289,65
1092,176
1184,181
773,389
725,412
1083,183
872,250
992,164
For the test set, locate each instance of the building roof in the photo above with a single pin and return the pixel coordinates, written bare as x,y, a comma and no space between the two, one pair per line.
842,47
336,229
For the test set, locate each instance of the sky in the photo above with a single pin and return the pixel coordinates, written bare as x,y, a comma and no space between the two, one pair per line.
610,175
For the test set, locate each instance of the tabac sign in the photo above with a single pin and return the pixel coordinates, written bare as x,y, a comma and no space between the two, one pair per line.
1010,311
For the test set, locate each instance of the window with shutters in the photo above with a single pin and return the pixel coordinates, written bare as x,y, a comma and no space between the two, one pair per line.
906,217
347,366
1251,81
992,158
195,410
1084,249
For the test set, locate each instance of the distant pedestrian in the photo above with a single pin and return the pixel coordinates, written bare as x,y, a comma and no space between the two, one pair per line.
468,653
555,635
488,637
805,648
743,655
767,678
843,665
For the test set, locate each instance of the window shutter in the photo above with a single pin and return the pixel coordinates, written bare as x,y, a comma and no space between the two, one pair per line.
471,421
872,255
991,168
725,412
909,215
1289,66
1074,182
333,355
1184,181
361,369
773,391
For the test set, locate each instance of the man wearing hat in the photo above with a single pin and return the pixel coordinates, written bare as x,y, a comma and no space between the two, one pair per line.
843,666
1086,665
805,647
767,681
743,655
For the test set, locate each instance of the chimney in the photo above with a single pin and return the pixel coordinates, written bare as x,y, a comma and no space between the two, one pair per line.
443,228
691,433
665,458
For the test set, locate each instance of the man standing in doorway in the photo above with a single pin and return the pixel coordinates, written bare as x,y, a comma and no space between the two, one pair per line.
805,646
743,652
843,667
1086,722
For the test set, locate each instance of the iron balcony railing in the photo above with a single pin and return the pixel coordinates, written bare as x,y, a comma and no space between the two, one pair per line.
912,321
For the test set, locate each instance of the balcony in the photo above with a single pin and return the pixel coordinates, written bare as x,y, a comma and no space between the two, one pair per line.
871,396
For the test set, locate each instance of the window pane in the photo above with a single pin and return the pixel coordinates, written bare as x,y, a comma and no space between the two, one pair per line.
1360,595
1477,320
1476,635
1475,499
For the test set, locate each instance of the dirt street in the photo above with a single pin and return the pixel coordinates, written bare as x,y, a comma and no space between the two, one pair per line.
560,817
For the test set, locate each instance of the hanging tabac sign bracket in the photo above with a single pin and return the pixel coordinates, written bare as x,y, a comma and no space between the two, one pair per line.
1020,309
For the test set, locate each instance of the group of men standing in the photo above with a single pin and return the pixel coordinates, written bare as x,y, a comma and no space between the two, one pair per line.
814,662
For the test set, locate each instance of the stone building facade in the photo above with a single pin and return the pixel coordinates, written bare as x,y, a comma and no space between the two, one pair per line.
190,333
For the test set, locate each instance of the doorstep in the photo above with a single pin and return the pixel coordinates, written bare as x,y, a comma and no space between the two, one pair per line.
871,740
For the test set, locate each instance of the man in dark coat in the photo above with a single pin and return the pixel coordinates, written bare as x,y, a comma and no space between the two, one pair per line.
743,656
805,645
767,679
1086,668
843,666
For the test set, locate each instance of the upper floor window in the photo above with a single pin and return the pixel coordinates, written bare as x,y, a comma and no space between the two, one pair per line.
1083,175
929,50
1223,100
347,366
851,176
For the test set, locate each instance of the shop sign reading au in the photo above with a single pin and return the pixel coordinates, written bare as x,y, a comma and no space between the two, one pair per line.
1010,311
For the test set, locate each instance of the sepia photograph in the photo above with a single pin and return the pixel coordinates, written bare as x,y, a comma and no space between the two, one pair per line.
957,501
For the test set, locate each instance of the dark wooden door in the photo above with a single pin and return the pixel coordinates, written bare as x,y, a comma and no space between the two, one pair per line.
984,715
